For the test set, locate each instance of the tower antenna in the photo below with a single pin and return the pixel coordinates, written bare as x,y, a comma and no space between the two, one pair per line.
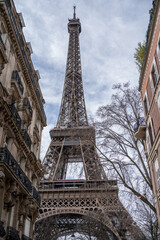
74,13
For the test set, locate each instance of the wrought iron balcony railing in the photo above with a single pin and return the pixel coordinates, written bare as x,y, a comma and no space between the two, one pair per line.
4,47
36,195
25,238
6,156
2,230
12,233
28,65
15,115
26,138
28,105
16,77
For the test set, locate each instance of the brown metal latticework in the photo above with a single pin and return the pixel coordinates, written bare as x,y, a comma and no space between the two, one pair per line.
70,206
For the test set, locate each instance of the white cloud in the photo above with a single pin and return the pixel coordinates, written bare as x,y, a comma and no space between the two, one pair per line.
45,140
110,32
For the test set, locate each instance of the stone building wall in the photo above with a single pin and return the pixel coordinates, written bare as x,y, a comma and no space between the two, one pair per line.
22,119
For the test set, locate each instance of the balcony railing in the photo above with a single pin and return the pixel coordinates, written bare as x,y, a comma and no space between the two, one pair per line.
77,185
36,195
140,128
16,77
28,105
26,138
6,156
15,114
2,230
28,65
25,238
12,233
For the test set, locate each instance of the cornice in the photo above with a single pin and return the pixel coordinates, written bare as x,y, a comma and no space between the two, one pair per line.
26,64
149,45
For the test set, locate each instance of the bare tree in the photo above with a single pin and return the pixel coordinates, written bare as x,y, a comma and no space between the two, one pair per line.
122,154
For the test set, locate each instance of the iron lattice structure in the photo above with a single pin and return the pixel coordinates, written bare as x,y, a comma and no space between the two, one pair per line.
78,205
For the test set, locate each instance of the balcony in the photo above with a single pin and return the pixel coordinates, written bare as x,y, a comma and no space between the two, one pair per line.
26,138
27,105
36,132
25,238
6,157
2,230
17,85
3,51
2,43
140,128
36,195
78,185
12,234
15,115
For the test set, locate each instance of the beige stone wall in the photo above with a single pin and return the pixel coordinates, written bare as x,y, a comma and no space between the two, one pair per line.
22,119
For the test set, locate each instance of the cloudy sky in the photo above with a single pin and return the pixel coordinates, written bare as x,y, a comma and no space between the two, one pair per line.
111,30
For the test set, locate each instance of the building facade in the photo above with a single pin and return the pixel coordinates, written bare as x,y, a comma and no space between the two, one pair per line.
149,87
22,119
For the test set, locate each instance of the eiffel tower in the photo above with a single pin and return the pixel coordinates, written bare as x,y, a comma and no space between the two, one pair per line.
87,206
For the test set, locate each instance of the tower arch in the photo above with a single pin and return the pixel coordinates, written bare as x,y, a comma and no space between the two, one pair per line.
72,222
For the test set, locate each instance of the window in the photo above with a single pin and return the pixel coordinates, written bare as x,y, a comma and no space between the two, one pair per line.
154,77
151,82
157,170
156,68
148,141
146,104
154,73
158,50
150,136
27,227
158,101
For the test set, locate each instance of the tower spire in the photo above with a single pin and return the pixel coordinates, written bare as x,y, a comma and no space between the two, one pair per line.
73,111
74,13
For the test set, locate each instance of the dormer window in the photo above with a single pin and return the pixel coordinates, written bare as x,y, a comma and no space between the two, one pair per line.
22,23
29,48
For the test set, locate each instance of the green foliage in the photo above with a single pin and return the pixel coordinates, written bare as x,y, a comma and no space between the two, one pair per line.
139,55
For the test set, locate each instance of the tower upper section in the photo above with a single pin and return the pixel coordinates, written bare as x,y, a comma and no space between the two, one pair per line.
73,111
74,23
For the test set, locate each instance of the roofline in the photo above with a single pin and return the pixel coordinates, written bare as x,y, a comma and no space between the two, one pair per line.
148,46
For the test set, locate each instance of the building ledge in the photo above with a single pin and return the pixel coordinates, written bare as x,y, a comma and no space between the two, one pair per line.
140,128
